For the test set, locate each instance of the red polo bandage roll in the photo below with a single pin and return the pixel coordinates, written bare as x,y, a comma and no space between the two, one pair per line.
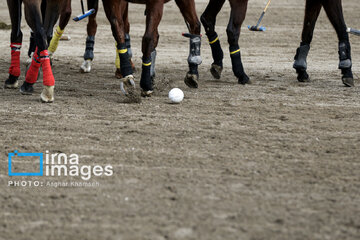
15,59
48,77
33,72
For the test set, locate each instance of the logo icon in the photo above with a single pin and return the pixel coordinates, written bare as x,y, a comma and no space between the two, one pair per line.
11,157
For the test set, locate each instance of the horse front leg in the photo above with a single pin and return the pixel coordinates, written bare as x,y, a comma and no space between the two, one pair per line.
41,57
111,7
90,39
124,5
333,9
187,8
16,42
65,14
312,11
237,16
154,12
208,19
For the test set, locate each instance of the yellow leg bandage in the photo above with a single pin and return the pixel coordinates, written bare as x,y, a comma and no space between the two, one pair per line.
55,39
236,51
214,41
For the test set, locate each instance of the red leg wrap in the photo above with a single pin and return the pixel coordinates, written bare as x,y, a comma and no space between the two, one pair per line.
48,77
15,59
33,72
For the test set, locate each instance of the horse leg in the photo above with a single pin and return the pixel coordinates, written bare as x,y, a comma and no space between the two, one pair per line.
124,6
90,40
187,8
312,11
154,12
65,15
208,19
32,45
16,42
333,9
114,16
41,58
237,16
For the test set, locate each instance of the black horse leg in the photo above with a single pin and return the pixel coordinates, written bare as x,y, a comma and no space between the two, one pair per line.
51,16
334,11
208,19
16,42
187,8
237,16
41,58
312,11
32,45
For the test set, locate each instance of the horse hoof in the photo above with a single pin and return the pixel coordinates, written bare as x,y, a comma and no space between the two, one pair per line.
216,70
47,95
12,82
302,76
118,73
244,79
27,88
348,82
147,93
191,80
127,85
86,66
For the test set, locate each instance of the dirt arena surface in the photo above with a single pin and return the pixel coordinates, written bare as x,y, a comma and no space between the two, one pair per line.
276,159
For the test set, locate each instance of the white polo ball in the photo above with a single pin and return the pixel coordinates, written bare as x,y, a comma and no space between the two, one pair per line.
176,95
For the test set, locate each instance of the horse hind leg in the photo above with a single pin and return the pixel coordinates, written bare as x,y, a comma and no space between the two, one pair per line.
334,12
208,19
16,42
237,16
90,39
312,11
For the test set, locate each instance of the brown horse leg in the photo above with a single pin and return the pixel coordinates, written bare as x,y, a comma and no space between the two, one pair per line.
115,18
90,40
237,16
16,42
52,14
208,19
334,11
312,11
41,58
154,12
187,8
124,6
65,14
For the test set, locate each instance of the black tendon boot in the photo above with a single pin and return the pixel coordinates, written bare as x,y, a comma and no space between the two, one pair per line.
300,63
217,54
345,64
237,65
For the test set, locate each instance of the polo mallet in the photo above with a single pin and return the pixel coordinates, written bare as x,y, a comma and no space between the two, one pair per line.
353,31
256,27
84,14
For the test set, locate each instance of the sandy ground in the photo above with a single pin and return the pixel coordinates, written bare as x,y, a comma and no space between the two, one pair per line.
276,159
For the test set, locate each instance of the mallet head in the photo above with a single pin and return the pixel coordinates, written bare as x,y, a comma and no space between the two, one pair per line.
257,28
